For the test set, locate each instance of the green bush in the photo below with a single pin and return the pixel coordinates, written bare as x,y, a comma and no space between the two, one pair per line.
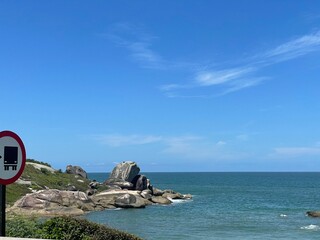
64,228
24,228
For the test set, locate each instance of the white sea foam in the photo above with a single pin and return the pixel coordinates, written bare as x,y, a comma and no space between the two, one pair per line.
311,227
115,209
283,215
176,201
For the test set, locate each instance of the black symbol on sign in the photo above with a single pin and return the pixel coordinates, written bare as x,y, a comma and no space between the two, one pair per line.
10,158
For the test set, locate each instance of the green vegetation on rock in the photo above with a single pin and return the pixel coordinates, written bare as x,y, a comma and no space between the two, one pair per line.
37,178
39,162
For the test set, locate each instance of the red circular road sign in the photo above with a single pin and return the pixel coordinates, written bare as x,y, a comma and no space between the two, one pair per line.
12,157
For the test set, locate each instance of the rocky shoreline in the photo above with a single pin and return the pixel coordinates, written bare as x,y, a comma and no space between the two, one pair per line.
125,188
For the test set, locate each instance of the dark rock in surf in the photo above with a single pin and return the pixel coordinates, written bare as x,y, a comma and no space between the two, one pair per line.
313,213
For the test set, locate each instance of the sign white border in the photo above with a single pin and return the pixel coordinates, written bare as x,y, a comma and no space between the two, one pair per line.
5,180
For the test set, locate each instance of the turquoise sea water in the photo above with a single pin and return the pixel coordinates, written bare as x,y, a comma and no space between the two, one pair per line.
225,206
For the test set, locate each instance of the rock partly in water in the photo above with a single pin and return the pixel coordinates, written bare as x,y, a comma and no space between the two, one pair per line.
76,170
187,196
160,200
130,201
173,195
120,198
313,213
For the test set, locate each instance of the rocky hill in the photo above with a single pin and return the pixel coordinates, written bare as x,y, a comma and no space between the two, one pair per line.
42,190
40,176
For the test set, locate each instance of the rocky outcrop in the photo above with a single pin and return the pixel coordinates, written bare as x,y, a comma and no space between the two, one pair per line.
125,188
126,176
76,170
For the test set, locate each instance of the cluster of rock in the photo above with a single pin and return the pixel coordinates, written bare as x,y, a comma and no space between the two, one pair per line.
125,188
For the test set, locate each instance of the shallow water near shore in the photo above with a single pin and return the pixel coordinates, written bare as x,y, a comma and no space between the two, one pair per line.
224,206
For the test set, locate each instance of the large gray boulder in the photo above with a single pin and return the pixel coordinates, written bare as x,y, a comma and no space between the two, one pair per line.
120,198
125,171
140,182
130,201
160,200
119,183
76,170
53,202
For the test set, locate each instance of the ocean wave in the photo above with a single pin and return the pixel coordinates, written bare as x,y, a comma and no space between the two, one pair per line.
311,227
283,215
176,201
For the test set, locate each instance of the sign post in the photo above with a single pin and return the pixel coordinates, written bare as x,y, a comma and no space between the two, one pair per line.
12,163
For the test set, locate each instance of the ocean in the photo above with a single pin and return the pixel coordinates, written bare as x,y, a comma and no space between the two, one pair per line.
224,206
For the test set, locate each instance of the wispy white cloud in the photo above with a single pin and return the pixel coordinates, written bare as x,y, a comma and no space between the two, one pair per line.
211,82
118,140
210,78
138,43
227,80
142,53
242,84
293,49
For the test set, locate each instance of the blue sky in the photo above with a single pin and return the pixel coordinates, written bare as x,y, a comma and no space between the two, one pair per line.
173,85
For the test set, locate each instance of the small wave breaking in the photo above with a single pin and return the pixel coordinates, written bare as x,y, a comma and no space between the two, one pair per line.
283,215
311,227
176,201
